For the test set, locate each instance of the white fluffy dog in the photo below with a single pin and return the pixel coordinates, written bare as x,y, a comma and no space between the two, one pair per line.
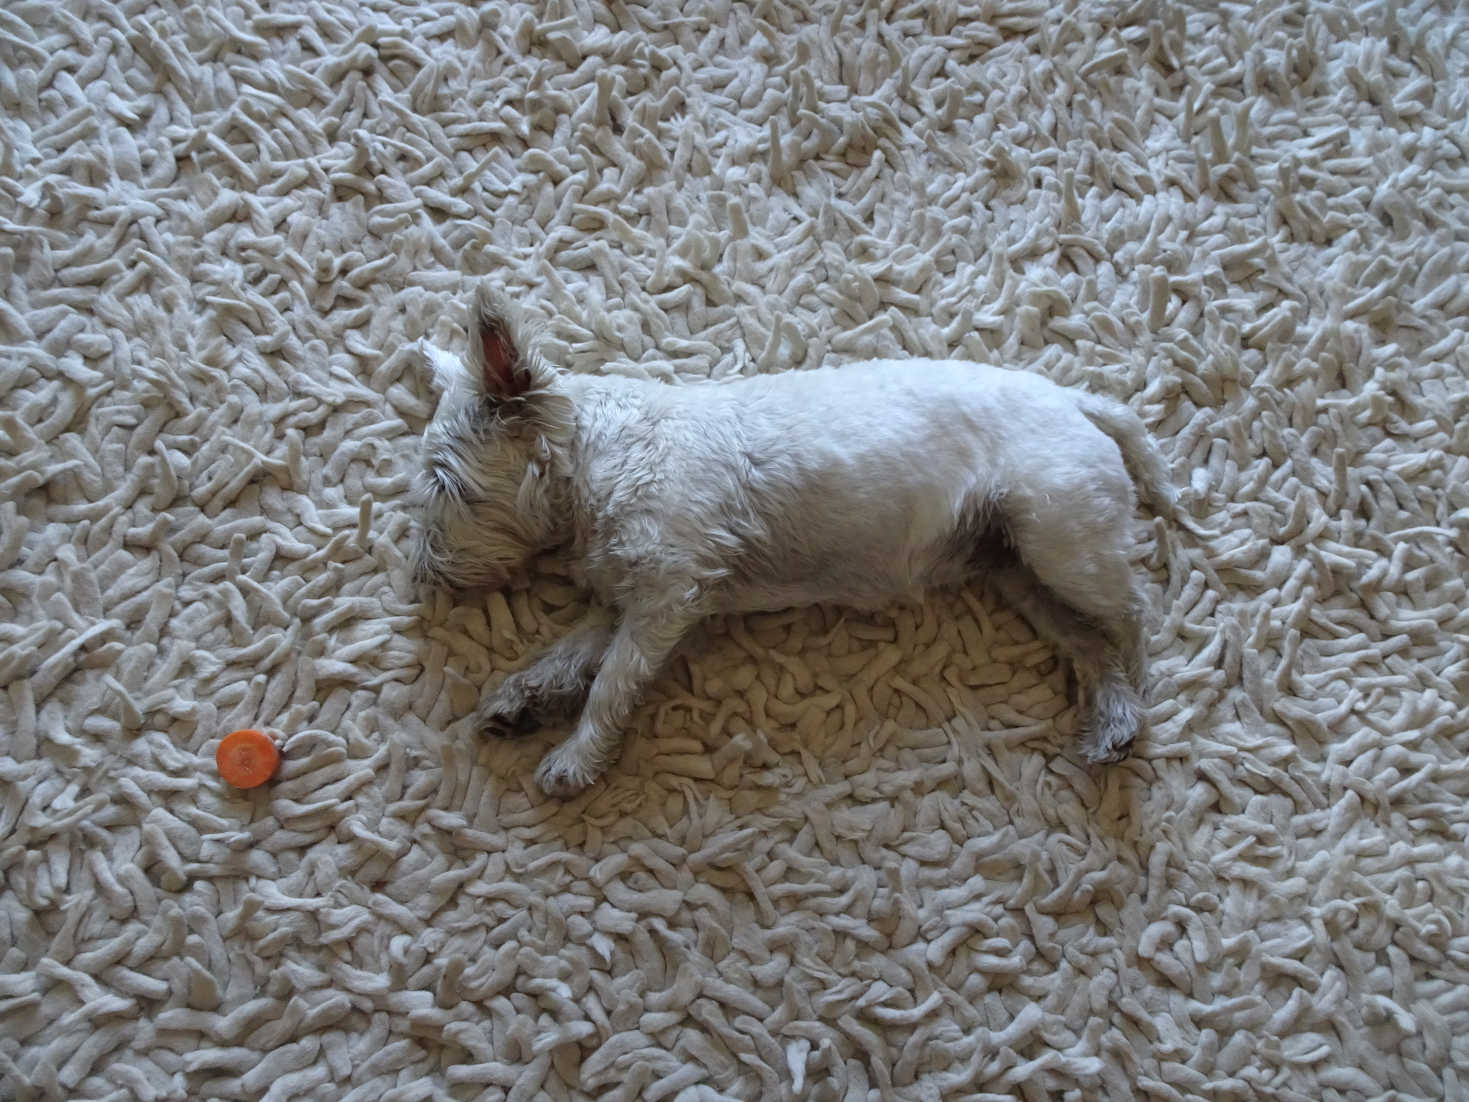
852,485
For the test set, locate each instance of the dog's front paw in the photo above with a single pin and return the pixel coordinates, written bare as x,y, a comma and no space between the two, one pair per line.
566,771
509,712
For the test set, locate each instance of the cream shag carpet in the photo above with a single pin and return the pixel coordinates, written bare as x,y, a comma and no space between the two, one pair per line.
844,856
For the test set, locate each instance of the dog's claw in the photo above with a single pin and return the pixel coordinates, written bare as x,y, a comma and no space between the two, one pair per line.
506,714
1096,754
1107,744
504,727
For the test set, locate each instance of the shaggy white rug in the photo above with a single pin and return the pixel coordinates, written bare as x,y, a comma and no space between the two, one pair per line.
844,856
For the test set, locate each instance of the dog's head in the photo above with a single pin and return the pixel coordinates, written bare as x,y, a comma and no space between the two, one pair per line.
488,495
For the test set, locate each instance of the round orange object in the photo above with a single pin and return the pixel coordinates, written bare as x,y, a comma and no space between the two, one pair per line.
247,758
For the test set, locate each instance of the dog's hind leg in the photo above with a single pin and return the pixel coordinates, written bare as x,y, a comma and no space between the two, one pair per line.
1111,707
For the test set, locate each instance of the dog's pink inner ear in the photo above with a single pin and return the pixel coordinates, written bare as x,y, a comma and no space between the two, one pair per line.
505,376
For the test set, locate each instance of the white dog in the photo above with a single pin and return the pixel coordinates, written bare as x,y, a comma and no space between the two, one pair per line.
851,485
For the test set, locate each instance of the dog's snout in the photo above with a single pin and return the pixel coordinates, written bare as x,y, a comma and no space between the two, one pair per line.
426,566
430,571
424,575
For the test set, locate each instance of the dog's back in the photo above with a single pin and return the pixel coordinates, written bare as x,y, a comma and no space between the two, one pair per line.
847,484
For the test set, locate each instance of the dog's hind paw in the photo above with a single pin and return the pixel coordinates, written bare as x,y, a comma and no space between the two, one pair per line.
1116,721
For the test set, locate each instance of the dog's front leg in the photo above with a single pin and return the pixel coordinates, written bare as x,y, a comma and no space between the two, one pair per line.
553,686
640,645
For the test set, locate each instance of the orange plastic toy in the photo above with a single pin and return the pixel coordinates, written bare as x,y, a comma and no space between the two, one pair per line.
247,759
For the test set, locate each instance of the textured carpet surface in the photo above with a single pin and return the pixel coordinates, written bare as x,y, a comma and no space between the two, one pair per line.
845,855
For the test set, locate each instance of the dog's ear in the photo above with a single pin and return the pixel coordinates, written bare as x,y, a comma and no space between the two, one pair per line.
498,359
505,366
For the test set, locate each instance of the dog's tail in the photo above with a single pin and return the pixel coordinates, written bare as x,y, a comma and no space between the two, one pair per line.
1141,456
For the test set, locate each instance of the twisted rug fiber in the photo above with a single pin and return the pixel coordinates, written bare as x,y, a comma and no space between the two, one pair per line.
844,856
